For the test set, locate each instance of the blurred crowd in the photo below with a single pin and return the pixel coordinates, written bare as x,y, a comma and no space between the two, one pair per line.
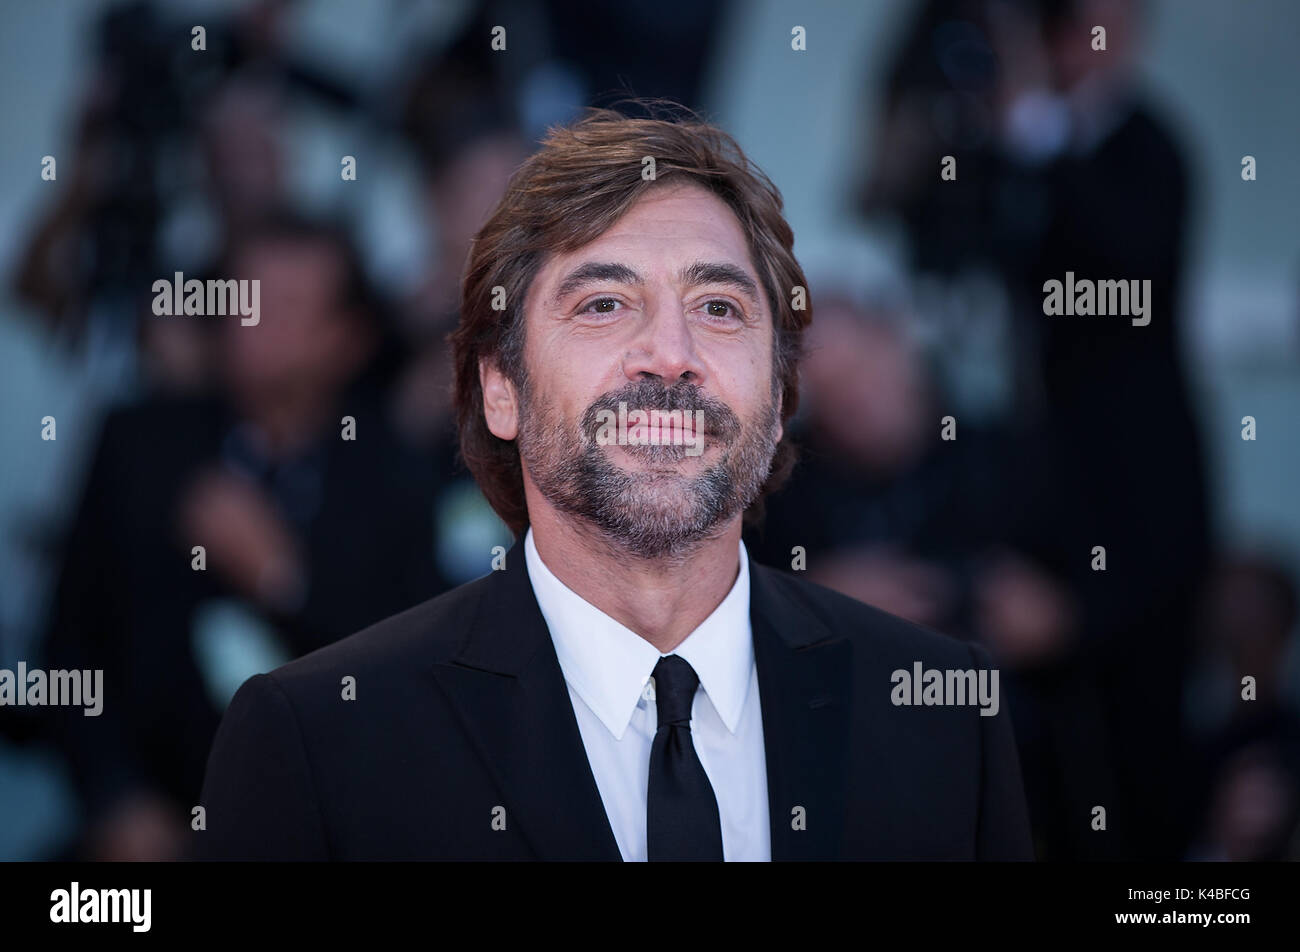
1124,683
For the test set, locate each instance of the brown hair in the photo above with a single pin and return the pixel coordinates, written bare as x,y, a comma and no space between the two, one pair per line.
575,187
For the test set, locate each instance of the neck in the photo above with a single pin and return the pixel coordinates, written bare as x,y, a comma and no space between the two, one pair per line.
662,600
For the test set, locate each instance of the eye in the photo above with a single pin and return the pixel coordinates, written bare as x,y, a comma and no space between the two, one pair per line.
603,305
722,309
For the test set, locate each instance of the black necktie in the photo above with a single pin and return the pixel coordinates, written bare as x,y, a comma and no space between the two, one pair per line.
682,821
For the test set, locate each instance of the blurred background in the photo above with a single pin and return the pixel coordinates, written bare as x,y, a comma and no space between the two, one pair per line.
1125,685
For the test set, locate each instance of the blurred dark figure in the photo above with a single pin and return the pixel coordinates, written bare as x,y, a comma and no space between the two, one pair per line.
150,91
664,51
466,134
665,48
891,513
238,138
308,536
461,122
1061,166
886,511
1251,763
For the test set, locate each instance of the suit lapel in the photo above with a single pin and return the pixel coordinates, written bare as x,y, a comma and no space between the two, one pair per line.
509,691
508,688
804,683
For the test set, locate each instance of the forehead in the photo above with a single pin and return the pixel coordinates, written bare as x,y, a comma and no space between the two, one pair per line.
680,209
669,223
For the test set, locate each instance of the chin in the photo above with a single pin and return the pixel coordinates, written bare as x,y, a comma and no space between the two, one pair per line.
658,462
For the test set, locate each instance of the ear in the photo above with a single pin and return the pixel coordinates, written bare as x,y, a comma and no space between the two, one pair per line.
500,408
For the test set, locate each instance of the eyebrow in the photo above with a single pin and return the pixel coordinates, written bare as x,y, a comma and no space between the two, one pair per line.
693,275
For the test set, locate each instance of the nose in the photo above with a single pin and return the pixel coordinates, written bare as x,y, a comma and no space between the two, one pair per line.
664,347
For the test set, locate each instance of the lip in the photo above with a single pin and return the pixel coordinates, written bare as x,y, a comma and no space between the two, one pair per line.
644,430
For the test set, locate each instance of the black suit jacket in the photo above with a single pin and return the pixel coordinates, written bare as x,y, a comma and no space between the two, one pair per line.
461,708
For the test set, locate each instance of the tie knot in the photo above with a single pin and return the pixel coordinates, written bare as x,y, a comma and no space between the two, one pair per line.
675,684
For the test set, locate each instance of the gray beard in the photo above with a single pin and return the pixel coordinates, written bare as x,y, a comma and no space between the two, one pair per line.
648,515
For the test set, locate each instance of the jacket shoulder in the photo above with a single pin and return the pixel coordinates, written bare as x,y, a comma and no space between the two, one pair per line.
413,640
880,633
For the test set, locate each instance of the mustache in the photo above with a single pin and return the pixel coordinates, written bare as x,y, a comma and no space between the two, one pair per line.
720,422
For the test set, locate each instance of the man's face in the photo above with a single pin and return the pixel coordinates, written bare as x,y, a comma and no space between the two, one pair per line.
664,311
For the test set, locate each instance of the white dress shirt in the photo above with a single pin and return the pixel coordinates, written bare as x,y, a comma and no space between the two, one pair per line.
607,668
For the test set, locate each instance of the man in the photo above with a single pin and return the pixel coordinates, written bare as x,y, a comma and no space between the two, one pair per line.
305,537
627,684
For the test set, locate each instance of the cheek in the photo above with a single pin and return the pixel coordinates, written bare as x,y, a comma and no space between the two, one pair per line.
542,406
750,381
572,375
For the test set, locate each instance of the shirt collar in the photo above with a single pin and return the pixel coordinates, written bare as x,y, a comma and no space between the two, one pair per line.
608,664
